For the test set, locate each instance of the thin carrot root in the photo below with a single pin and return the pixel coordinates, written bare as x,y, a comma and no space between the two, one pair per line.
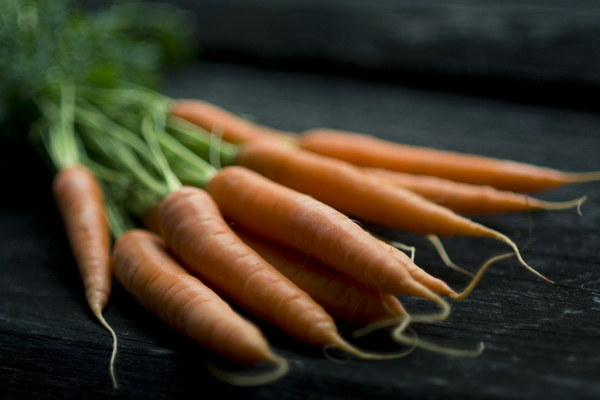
113,377
477,278
281,367
439,247
513,245
561,205
345,346
582,177
398,245
401,337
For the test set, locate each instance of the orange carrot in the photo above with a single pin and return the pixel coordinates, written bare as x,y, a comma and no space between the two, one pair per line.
356,193
468,198
147,271
194,229
79,198
342,297
369,151
299,221
229,126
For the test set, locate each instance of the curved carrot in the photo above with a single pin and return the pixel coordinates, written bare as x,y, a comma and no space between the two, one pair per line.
370,151
468,198
194,229
147,271
341,297
79,198
356,193
229,126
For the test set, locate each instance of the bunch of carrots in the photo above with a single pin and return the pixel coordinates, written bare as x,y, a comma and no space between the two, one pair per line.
209,210
195,211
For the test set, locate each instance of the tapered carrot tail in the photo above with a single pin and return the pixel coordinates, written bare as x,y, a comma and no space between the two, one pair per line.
370,151
354,192
468,198
80,202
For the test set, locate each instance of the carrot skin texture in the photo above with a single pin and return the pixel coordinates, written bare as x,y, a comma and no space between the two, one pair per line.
370,151
79,198
466,198
342,297
354,192
146,270
194,229
299,221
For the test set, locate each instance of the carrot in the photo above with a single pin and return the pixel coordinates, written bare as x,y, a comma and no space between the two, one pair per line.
299,221
79,198
229,126
348,300
343,298
193,227
353,191
369,151
147,271
468,198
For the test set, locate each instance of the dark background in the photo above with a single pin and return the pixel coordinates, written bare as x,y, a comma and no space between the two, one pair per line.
513,79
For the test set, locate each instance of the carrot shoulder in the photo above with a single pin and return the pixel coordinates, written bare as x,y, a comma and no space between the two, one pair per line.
370,151
229,126
144,267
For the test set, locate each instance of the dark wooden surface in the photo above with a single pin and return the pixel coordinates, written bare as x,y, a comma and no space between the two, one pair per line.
542,341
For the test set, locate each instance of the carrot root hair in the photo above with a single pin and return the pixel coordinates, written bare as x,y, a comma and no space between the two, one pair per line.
281,367
439,247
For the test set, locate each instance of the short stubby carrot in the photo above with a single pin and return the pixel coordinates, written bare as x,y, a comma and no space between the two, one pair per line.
194,229
370,151
353,191
466,198
343,298
299,221
80,201
144,267
215,119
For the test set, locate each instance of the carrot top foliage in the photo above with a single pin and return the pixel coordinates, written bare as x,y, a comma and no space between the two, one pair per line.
49,43
57,59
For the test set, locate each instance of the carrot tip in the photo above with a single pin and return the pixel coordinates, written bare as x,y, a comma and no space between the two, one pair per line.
562,205
582,177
